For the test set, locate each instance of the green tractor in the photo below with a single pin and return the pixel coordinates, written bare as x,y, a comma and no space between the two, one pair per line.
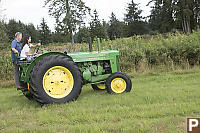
55,77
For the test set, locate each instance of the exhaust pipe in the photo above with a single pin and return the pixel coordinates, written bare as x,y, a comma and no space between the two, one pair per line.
90,44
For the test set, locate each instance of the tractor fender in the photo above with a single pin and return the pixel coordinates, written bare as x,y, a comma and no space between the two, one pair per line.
30,67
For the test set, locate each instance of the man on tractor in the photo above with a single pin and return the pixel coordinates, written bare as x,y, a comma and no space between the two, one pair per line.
21,52
16,50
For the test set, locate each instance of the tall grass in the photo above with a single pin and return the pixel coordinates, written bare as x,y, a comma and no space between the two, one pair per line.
138,53
6,67
152,51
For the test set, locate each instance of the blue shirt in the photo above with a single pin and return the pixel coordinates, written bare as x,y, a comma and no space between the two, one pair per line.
17,45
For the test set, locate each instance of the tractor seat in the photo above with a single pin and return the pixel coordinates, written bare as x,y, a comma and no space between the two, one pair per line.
24,61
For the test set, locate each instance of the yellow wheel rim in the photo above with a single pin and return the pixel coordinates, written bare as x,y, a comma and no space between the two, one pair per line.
58,82
118,85
102,87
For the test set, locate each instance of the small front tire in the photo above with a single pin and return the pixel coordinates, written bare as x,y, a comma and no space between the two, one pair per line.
99,87
118,83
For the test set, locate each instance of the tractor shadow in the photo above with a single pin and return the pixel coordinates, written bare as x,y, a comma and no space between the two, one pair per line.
88,92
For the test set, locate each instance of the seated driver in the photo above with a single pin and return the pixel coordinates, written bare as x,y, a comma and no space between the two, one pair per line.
26,45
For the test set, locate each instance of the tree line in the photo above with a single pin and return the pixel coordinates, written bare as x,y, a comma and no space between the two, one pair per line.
72,26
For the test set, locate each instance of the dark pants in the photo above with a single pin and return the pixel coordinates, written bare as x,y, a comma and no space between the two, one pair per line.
17,82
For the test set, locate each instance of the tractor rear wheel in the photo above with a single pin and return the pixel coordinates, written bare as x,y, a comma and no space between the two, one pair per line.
99,87
118,83
55,79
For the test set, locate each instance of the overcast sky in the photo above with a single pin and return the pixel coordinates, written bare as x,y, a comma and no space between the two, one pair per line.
32,11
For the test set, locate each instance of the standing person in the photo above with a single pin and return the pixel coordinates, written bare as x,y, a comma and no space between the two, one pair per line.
16,49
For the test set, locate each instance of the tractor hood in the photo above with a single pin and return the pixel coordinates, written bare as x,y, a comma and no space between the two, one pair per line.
93,56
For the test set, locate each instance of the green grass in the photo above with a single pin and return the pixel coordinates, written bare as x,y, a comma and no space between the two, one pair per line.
158,103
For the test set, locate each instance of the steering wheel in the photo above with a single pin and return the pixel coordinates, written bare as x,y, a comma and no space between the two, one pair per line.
37,48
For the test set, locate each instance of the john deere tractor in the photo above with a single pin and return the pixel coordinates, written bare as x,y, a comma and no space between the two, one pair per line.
56,77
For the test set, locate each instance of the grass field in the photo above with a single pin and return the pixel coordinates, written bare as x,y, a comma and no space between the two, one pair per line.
158,103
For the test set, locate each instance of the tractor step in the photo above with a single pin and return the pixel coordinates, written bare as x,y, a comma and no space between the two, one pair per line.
21,89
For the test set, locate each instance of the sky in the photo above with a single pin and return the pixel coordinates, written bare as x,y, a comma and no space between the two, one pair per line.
32,11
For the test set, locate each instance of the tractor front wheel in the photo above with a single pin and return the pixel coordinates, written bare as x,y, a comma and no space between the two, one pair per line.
99,87
55,79
118,83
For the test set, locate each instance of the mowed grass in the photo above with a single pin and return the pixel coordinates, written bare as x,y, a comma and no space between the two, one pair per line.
158,103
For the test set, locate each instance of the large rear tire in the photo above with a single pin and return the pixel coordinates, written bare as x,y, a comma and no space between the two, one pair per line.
55,79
